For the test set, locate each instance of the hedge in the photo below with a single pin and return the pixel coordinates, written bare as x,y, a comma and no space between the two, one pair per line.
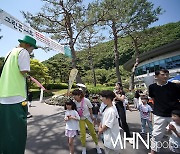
36,94
98,89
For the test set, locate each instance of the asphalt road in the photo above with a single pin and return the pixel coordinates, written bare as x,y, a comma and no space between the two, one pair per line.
46,133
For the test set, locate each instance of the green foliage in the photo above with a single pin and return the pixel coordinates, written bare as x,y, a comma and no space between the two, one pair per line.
130,96
103,55
66,20
98,88
39,71
161,35
36,93
56,86
59,67
107,77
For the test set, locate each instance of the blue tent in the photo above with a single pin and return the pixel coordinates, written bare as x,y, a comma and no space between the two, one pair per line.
177,77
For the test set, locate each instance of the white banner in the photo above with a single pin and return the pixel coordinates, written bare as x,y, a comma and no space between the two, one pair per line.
15,24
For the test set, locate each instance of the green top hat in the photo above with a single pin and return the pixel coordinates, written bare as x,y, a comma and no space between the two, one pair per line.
29,40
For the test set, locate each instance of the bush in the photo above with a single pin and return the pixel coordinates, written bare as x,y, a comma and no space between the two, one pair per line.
56,86
130,96
36,94
98,89
59,100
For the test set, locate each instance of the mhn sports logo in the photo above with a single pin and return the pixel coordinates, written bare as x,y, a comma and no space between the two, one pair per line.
121,140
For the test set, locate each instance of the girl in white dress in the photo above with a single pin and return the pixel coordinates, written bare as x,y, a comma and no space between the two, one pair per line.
72,123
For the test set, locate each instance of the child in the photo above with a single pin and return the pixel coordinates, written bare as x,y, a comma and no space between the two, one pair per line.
174,129
95,110
110,125
84,108
146,114
72,124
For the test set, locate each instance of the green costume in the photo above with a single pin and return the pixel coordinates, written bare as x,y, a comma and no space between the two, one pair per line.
13,117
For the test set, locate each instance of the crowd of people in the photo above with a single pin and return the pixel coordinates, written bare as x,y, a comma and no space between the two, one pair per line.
109,114
160,103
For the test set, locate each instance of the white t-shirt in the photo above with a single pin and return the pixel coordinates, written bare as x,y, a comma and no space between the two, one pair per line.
110,119
174,139
87,104
24,65
145,111
72,124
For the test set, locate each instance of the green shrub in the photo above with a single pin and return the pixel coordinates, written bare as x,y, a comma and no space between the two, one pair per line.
36,94
56,86
98,89
130,96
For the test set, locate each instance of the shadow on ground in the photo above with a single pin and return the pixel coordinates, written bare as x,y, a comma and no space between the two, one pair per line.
46,136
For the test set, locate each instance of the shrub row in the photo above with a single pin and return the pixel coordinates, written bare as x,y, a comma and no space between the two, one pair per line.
97,90
57,86
36,94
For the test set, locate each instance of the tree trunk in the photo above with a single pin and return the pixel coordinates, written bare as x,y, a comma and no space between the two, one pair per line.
69,25
94,76
92,65
60,76
116,53
131,86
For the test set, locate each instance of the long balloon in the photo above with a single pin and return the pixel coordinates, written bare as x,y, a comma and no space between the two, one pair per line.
37,82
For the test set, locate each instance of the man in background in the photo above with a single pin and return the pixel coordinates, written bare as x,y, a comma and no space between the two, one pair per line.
165,96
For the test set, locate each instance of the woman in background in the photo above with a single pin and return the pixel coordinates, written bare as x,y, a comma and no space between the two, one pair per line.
119,99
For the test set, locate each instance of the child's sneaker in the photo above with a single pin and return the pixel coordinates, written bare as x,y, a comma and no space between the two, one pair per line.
84,150
98,149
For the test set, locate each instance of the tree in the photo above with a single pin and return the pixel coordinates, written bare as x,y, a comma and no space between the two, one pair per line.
58,68
88,38
39,71
122,15
101,75
63,21
142,15
114,15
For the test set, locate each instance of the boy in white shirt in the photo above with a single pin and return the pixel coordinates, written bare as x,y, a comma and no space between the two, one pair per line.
109,126
174,129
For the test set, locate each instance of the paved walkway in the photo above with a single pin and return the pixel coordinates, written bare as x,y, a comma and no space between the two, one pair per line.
46,132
